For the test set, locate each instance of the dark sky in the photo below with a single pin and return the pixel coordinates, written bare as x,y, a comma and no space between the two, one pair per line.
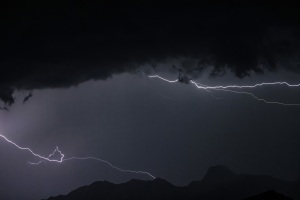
87,68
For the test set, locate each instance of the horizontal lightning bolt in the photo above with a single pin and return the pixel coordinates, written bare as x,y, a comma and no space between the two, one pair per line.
62,159
226,88
164,79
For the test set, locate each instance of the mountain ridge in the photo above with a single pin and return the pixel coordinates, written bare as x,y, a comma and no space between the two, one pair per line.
218,183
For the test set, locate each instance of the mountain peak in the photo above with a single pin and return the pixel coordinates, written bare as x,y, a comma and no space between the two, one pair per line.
218,173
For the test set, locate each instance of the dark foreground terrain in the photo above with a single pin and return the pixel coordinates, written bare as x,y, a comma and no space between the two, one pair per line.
218,183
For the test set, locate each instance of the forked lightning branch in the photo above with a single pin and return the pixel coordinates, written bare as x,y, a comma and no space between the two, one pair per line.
62,158
231,88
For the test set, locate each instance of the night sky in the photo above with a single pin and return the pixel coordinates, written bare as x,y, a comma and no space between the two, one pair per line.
76,76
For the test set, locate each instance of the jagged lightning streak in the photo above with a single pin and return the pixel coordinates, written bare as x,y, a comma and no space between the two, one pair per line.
227,88
63,159
164,79
220,88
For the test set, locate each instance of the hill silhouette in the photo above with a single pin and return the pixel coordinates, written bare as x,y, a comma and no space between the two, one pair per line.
218,183
269,195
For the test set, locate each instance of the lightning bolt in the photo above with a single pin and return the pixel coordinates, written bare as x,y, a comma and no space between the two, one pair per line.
228,88
62,158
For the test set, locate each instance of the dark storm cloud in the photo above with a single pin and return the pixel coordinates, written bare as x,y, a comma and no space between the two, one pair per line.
47,45
27,97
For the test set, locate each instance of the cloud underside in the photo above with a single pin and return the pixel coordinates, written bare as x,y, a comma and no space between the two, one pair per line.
51,46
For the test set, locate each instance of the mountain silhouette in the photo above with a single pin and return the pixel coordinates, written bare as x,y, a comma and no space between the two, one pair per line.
218,183
269,195
218,174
